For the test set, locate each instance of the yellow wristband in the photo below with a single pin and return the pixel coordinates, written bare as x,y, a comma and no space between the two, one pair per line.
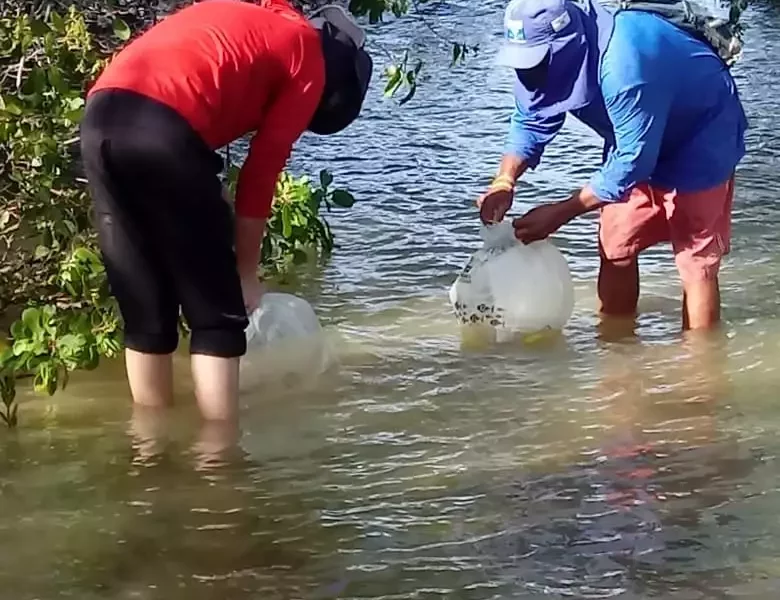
502,182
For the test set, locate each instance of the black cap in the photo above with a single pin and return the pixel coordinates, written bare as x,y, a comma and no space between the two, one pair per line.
348,70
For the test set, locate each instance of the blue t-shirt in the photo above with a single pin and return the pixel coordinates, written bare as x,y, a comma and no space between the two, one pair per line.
668,109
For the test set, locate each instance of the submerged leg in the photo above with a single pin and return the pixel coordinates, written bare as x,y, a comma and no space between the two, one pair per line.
701,237
216,386
701,304
618,291
150,377
618,287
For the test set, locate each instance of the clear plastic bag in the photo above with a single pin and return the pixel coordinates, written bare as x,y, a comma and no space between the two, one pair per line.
285,344
512,288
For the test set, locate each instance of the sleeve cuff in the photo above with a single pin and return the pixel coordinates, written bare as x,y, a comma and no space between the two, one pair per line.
530,156
605,190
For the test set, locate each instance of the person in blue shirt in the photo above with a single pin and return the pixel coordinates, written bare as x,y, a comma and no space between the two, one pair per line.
673,128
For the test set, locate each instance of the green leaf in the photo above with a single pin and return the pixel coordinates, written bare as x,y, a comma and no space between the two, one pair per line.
38,28
71,343
37,83
394,80
46,378
75,104
121,29
18,329
31,317
41,252
286,221
11,106
21,347
315,200
399,7
5,358
54,75
81,254
57,22
342,198
325,236
325,178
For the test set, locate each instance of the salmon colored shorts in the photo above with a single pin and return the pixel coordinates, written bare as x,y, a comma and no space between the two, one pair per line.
698,225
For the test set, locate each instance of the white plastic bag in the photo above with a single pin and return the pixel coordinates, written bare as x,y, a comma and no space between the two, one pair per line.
285,343
513,288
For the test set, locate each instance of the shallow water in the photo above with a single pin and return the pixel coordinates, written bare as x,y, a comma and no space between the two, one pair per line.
586,469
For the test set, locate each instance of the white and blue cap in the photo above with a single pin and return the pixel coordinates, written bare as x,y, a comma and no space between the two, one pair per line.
530,28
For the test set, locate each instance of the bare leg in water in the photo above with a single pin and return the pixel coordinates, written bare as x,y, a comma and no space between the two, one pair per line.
618,290
216,382
216,386
149,431
150,377
701,304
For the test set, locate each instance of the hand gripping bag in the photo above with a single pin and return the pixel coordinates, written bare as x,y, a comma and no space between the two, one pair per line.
512,289
285,344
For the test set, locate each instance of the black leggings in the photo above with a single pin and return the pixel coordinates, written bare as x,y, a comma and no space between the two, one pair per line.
165,232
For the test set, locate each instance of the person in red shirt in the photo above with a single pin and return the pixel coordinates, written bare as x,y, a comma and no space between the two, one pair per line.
203,77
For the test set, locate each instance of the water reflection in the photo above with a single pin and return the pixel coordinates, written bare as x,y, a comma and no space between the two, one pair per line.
634,513
216,445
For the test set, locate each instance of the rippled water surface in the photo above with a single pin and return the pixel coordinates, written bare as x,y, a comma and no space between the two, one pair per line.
589,469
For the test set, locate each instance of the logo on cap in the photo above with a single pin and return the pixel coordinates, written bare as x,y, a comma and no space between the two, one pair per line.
515,31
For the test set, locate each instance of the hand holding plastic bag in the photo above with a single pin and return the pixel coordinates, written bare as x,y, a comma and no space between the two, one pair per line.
285,343
512,287
494,204
252,290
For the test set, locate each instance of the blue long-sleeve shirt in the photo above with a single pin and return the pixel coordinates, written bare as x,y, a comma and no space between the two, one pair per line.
668,111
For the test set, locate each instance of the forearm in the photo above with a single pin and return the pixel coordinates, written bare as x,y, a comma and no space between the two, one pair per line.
249,242
511,169
583,201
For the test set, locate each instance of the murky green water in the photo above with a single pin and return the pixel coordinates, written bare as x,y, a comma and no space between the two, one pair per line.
592,469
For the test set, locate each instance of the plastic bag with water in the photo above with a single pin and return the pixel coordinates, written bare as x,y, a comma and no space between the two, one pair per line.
513,289
285,344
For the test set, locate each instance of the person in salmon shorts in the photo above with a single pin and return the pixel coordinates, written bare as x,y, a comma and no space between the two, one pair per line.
673,126
203,77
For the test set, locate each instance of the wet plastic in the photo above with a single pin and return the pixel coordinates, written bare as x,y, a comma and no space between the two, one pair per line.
285,344
513,288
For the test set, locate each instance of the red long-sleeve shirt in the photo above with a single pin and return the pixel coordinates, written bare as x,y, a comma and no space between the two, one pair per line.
229,68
